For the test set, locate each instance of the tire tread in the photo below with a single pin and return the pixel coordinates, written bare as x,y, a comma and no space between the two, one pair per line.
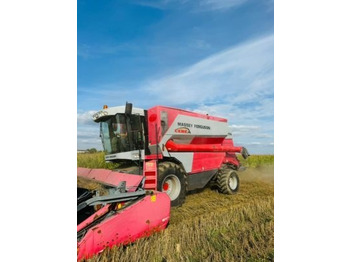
222,180
170,167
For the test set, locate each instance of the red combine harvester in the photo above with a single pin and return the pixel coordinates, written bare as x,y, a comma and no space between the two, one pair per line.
163,153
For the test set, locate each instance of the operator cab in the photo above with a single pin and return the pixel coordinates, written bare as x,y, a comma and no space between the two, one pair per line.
122,133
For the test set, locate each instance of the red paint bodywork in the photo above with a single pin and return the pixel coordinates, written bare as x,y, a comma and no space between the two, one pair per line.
147,215
141,219
154,119
203,161
209,152
173,147
150,173
208,156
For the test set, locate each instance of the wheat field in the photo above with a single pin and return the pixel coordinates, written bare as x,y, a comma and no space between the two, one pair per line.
209,226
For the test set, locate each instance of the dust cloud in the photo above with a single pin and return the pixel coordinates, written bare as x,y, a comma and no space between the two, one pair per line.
262,174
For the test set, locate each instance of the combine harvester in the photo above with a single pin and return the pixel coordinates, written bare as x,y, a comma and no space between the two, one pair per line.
163,153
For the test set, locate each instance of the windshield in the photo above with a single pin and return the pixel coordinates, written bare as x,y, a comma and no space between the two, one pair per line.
120,134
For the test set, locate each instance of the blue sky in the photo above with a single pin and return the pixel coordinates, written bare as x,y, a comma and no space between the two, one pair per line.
212,56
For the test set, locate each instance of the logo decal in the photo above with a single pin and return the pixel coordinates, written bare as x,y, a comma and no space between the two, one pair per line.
182,130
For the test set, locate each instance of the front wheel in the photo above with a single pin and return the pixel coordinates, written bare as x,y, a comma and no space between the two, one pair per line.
172,180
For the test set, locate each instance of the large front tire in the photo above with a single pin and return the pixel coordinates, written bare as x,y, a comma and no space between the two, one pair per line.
172,180
227,181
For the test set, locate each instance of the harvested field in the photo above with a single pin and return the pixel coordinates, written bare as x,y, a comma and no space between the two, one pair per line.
214,227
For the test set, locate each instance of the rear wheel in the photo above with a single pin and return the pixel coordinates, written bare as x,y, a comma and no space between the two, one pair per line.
172,180
227,181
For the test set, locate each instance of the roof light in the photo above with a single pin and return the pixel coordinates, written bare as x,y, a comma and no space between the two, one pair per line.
105,107
99,114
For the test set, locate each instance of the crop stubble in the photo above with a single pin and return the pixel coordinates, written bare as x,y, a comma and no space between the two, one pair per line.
213,227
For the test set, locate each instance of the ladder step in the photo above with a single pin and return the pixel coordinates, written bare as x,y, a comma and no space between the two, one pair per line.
150,186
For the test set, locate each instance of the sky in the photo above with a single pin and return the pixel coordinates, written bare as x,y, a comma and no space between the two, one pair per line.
208,56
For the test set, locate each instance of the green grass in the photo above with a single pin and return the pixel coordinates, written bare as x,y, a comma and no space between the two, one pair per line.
94,160
257,160
210,226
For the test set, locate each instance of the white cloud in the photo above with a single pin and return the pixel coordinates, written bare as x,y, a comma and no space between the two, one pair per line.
242,130
199,44
86,118
236,84
254,143
199,5
239,74
94,51
220,4
161,4
88,131
88,136
246,133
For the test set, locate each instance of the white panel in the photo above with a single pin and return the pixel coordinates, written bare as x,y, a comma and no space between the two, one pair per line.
186,158
199,126
132,155
114,110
